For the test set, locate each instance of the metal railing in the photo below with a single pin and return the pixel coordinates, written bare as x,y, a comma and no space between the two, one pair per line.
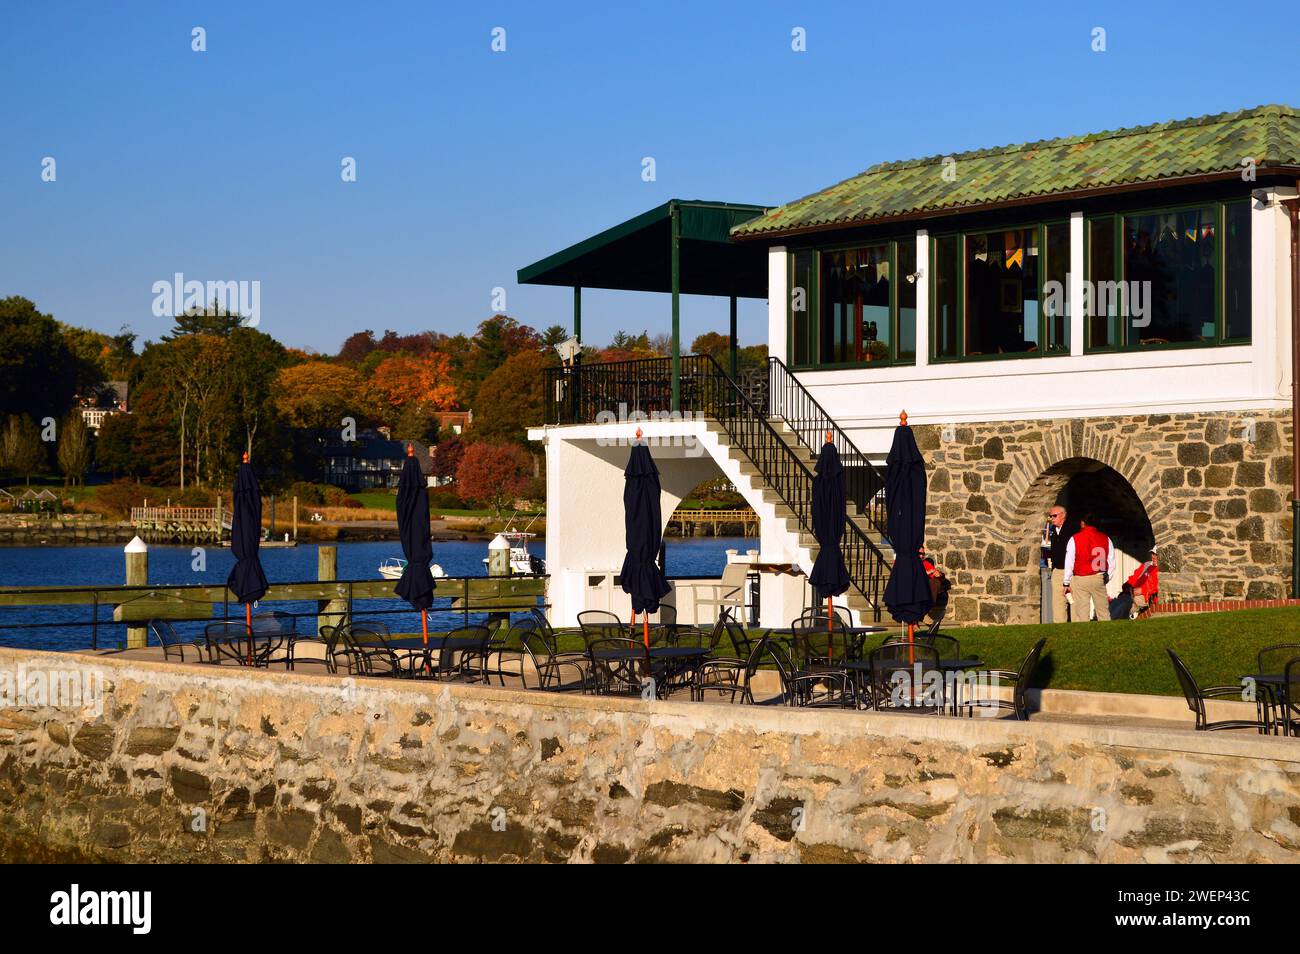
69,617
789,400
592,393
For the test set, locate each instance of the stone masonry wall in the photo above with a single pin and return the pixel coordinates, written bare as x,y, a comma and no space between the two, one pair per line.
187,765
1215,487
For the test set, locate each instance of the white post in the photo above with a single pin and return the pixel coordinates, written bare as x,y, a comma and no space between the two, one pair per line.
778,303
922,298
137,574
1074,305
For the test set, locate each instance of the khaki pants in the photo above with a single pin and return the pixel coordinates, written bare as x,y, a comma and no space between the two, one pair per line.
1060,608
1089,589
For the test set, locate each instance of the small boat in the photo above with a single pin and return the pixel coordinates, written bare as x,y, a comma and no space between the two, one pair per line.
391,569
522,563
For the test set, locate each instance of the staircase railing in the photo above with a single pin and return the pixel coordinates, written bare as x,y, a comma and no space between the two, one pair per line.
789,400
631,390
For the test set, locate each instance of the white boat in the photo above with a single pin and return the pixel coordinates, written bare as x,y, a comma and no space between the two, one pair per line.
391,569
522,563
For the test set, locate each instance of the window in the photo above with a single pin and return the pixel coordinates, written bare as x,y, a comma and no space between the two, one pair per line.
1056,291
947,280
860,306
1236,271
1169,277
801,292
1001,292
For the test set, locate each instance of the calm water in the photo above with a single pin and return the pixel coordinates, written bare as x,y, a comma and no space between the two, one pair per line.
172,565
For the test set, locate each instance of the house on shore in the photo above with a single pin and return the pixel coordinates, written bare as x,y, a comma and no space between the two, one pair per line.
1104,321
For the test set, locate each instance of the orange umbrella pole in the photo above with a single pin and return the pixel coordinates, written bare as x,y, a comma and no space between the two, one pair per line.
248,623
645,628
424,625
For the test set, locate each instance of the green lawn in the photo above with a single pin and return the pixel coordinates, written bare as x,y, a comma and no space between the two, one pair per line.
376,500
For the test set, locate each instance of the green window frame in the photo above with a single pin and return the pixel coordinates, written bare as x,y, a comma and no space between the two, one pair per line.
1043,350
1118,325
803,342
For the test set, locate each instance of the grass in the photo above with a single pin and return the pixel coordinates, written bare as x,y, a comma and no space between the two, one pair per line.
377,500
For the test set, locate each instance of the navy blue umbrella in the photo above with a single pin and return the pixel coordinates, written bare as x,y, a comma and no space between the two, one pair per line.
642,578
247,580
907,594
829,577
416,584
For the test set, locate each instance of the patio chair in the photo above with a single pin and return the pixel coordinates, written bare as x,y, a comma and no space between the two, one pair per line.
800,687
548,667
552,638
506,652
728,593
331,642
601,624
370,655
1019,680
826,640
918,661
231,640
1290,698
1196,698
467,664
172,641
729,676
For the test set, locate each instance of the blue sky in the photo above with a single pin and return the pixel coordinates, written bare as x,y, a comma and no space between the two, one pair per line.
471,164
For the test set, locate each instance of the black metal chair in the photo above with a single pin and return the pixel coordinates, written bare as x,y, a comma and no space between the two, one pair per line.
1196,698
331,639
1290,698
903,676
552,637
370,655
828,639
1019,680
465,663
729,676
172,641
807,689
548,666
601,624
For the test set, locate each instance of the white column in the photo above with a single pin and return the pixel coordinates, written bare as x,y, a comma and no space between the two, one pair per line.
922,298
1270,295
1075,291
778,301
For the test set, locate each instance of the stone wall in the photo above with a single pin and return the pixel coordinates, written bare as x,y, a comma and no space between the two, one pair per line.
187,765
1214,487
24,530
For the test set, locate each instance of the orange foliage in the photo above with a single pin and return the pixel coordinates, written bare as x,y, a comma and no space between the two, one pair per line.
423,381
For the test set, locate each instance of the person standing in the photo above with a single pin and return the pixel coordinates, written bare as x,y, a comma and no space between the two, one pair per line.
1056,537
1089,560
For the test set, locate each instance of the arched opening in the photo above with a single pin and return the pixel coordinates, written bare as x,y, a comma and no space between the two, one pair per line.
1084,485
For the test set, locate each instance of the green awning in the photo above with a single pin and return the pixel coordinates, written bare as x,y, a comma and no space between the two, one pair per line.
636,255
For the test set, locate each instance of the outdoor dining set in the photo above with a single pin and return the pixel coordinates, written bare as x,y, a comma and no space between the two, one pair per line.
818,661
1274,688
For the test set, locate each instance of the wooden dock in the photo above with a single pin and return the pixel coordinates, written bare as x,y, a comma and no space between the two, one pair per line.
691,523
181,524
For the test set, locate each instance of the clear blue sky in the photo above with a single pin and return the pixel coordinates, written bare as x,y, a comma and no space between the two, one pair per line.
225,164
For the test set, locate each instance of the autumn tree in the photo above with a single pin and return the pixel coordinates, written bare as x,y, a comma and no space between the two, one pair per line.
447,456
422,382
73,449
493,475
21,448
318,394
39,371
512,399
357,346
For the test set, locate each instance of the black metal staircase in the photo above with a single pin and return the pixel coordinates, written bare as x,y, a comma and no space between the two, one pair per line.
750,417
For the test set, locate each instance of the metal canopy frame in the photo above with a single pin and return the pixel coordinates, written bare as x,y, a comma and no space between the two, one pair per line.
682,247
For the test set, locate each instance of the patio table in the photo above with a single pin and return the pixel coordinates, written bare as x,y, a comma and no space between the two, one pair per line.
945,665
414,647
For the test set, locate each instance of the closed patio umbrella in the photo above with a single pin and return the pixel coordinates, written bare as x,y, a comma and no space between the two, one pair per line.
642,578
246,581
416,584
829,577
907,594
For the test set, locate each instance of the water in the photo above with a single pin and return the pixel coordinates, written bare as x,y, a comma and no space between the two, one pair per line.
174,565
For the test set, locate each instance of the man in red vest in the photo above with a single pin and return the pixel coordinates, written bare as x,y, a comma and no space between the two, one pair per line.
1089,558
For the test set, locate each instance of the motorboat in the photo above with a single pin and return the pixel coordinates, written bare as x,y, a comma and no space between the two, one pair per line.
393,567
522,563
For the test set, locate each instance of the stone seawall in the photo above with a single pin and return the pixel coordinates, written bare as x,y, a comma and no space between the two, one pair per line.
62,532
193,765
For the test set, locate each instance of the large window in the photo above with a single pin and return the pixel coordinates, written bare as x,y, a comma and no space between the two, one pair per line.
860,305
1169,277
1002,292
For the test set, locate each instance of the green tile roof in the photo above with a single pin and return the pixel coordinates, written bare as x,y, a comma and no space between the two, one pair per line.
1206,145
